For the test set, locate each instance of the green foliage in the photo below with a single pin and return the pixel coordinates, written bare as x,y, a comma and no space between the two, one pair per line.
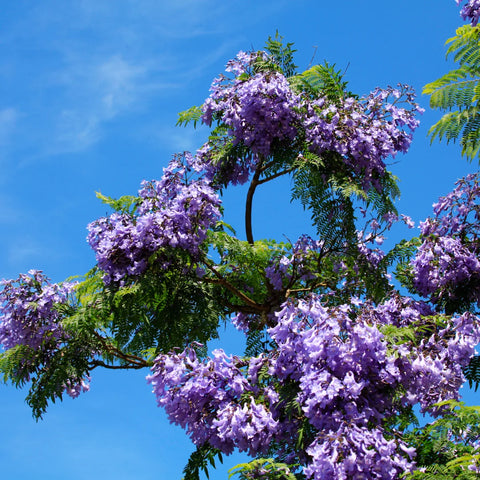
459,89
243,265
281,54
264,469
125,204
403,269
472,372
445,447
416,332
12,363
322,80
156,312
201,459
400,254
258,341
193,114
329,202
332,198
442,472
67,365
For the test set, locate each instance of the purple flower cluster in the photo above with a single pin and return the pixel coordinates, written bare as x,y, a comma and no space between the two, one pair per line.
447,264
471,10
28,313
432,365
258,109
442,264
30,316
364,132
347,373
74,389
352,452
262,110
349,376
213,401
373,256
175,212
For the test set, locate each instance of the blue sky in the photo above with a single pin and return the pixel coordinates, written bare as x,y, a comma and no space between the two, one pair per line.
89,95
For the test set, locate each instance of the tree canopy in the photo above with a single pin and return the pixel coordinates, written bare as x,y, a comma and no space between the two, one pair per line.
339,357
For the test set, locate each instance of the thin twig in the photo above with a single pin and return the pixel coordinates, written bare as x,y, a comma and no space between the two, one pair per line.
306,289
223,281
133,360
272,177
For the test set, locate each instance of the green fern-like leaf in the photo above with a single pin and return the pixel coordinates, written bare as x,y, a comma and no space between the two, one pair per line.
321,80
455,89
193,114
282,54
200,460
264,469
12,363
125,204
459,89
472,372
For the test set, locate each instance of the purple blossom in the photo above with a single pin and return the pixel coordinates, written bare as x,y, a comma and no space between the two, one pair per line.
348,377
259,110
298,266
29,312
75,389
356,452
373,256
207,400
471,10
408,221
446,267
30,315
364,132
262,111
174,213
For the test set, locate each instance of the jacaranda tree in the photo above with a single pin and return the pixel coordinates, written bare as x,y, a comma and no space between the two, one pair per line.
338,359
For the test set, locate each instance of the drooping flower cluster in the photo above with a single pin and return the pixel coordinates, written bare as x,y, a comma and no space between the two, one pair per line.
447,265
432,365
372,256
364,132
30,316
175,212
29,311
345,374
208,400
259,111
262,110
471,10
74,389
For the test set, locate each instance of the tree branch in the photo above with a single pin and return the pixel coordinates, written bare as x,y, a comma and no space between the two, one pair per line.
272,177
289,291
248,205
99,363
133,360
223,281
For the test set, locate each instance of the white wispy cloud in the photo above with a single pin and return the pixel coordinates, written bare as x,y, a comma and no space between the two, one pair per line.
94,94
99,61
